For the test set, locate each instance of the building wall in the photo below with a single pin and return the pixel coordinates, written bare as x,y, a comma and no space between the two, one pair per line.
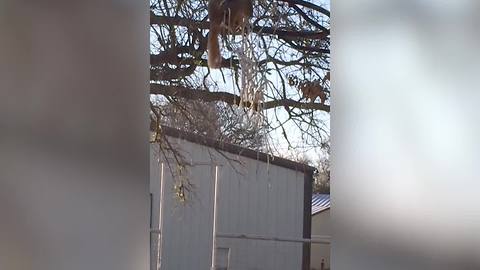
321,225
254,198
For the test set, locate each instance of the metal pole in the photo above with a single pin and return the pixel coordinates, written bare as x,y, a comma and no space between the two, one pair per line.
214,229
160,221
278,239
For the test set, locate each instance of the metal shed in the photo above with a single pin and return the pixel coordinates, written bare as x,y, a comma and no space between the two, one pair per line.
256,194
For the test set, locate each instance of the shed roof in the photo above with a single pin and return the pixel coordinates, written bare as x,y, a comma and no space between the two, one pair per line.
236,149
320,202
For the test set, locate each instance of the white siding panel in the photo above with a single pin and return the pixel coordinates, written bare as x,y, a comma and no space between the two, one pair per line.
321,225
187,227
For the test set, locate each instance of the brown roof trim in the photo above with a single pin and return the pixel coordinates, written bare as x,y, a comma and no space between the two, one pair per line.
236,149
307,217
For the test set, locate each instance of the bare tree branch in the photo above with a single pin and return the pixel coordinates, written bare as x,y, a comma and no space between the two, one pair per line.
288,46
281,33
158,59
229,98
310,20
308,5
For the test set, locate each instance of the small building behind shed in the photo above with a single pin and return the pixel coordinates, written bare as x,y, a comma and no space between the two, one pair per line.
321,227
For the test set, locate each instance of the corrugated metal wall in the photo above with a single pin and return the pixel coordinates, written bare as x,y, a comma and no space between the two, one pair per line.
254,198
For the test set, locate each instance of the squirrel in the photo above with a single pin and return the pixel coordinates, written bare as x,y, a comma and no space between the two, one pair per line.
231,15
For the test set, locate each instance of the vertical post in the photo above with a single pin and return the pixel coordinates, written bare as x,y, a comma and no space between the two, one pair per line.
153,242
160,218
214,229
307,218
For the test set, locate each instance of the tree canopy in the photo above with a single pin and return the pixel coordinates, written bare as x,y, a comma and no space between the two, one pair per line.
285,50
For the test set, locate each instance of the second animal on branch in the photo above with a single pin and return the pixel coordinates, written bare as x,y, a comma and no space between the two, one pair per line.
230,15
